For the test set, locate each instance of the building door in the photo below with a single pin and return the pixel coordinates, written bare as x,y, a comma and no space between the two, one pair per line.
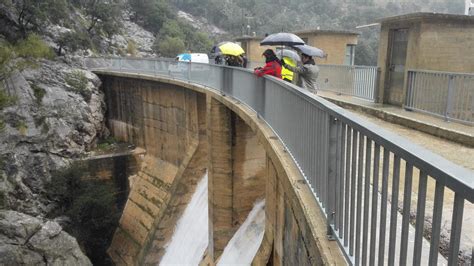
396,71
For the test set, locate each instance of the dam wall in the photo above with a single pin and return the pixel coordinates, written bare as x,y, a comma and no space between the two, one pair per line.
186,130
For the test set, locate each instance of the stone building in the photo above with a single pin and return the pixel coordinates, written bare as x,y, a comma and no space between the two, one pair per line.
422,41
338,45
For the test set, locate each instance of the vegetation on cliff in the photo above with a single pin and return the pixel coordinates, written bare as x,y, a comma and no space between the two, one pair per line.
91,208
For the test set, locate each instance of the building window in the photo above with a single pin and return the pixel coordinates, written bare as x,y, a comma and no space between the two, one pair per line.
350,51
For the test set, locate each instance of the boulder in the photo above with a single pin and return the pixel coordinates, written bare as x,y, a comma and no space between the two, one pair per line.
31,241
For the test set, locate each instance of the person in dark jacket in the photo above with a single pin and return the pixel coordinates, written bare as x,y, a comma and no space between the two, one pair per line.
232,60
272,65
244,60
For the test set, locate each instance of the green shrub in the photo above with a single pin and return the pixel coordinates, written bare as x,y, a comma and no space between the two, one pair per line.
38,92
103,15
34,47
22,127
105,144
78,81
73,41
2,200
173,28
131,48
121,51
5,99
169,46
28,50
91,205
6,55
40,121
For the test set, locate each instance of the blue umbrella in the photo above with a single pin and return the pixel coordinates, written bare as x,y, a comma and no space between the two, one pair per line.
184,57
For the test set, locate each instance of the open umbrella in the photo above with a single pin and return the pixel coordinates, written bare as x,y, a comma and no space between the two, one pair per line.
310,50
215,48
229,48
288,53
184,57
282,38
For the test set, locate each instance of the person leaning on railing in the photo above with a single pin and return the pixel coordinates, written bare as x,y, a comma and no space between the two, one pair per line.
272,65
286,74
307,72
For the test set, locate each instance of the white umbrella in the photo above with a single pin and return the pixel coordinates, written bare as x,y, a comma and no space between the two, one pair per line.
288,53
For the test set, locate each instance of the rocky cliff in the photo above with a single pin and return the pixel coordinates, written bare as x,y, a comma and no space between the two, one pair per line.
27,240
56,115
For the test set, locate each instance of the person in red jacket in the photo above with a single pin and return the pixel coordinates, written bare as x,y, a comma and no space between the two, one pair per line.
272,65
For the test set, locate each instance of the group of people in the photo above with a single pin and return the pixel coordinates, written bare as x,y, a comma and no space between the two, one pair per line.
307,71
281,68
232,60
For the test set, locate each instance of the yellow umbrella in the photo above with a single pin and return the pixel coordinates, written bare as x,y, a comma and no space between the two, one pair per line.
231,48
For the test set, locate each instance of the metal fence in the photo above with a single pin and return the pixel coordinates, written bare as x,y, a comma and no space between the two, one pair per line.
358,81
448,95
379,192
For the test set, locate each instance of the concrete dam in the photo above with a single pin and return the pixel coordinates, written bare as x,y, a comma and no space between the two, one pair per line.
215,185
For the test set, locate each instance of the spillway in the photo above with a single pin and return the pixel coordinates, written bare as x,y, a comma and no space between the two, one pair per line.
190,238
243,246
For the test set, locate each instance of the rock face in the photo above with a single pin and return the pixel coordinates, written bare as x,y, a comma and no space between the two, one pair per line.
50,123
201,24
57,116
134,35
31,241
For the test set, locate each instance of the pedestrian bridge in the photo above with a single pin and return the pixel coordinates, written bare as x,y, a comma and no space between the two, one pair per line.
328,178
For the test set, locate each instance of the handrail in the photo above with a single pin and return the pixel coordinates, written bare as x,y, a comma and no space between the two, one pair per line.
444,94
339,154
441,72
357,81
444,169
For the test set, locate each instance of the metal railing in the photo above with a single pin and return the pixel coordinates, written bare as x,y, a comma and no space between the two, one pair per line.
443,94
379,192
358,81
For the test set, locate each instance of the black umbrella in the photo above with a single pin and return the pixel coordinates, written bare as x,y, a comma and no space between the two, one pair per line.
282,38
310,50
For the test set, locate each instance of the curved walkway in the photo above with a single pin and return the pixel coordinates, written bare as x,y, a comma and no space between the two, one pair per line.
459,133
457,153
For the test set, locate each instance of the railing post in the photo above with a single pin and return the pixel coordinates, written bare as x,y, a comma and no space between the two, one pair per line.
189,71
227,81
223,80
155,67
120,63
450,98
409,96
260,96
331,173
472,256
377,86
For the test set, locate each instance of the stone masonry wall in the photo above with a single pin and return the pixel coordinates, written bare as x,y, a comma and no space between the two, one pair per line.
245,162
162,119
236,174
